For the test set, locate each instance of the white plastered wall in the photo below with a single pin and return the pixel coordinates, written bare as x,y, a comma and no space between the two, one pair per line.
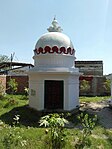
71,89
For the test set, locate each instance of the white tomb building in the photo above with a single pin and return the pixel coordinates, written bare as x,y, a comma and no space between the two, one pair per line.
54,80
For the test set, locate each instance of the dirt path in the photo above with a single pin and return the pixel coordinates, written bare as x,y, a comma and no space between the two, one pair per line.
102,110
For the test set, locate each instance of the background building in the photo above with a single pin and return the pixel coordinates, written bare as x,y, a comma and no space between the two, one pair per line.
92,71
17,71
94,68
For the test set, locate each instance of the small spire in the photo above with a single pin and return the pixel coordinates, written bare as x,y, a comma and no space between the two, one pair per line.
54,17
55,27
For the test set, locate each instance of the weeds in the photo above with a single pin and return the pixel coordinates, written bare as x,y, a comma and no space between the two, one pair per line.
13,135
88,125
10,102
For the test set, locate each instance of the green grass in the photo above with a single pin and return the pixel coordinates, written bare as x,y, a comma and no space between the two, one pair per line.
35,137
8,102
93,99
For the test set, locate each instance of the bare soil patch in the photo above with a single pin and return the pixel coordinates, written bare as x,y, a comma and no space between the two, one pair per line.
101,109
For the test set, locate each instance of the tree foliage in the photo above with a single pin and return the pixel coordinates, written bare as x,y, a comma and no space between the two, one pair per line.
84,86
13,85
4,58
106,85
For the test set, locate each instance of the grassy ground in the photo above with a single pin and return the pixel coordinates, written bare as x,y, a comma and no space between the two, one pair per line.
93,99
28,135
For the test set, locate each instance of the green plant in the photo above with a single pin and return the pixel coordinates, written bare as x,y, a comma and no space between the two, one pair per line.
4,58
10,102
13,135
13,138
106,85
1,89
12,84
16,120
56,124
26,91
84,86
88,123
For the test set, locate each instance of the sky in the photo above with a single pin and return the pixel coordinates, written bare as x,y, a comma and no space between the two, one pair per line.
88,23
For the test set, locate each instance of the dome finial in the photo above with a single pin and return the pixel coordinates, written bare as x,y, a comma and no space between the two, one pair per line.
55,27
54,17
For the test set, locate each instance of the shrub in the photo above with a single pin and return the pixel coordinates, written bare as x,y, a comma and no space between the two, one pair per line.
13,85
56,123
1,89
13,135
106,86
84,86
88,123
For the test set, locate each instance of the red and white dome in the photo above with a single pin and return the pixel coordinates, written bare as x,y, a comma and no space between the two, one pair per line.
54,39
54,42
54,50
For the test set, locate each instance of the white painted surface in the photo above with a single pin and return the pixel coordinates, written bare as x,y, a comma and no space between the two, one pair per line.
54,39
71,89
54,60
54,66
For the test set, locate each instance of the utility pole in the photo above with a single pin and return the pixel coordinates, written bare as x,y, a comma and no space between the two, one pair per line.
12,56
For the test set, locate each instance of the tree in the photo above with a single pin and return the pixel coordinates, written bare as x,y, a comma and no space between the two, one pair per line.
106,86
12,84
84,86
4,58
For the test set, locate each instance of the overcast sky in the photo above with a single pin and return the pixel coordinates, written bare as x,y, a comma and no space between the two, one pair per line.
88,23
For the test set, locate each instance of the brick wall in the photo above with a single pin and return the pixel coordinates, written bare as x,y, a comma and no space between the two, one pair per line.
22,83
99,87
96,86
3,81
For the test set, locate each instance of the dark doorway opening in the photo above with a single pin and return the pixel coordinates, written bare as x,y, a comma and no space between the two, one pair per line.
53,94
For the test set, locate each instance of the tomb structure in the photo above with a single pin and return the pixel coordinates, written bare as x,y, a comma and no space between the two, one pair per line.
54,80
